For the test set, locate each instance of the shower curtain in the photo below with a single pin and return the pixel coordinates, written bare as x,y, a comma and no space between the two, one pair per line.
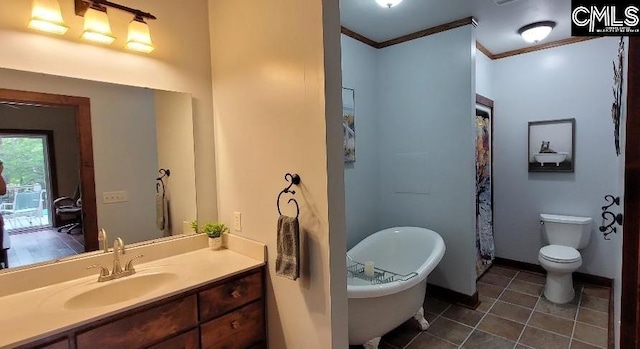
484,197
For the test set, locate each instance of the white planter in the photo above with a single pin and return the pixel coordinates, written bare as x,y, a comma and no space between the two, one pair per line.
215,243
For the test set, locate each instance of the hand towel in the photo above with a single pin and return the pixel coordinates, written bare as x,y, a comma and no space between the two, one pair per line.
160,219
288,259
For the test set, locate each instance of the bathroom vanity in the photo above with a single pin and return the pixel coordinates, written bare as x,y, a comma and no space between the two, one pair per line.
197,299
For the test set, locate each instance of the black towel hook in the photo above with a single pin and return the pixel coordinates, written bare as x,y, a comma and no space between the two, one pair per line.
294,179
163,173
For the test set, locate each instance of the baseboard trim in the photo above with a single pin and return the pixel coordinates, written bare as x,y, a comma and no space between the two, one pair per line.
536,268
453,297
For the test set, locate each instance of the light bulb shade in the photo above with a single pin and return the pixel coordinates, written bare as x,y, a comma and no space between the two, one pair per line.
535,32
388,3
139,38
96,27
46,16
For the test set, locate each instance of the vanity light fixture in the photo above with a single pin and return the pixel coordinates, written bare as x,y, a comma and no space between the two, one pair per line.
388,3
46,16
536,32
96,25
139,38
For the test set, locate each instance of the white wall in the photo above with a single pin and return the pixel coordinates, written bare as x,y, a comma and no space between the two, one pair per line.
484,75
181,62
277,109
362,177
572,81
426,103
62,122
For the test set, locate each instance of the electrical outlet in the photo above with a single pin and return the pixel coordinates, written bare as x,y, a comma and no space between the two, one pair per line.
237,221
114,197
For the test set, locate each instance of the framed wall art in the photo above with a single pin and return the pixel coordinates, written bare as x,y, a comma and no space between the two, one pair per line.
552,145
349,124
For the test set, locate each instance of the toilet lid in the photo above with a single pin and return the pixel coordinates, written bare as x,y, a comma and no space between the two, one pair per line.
560,254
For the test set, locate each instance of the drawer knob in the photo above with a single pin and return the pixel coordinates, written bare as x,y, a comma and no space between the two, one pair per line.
235,324
236,294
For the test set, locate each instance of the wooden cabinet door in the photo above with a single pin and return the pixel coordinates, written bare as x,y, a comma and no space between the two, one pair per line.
143,328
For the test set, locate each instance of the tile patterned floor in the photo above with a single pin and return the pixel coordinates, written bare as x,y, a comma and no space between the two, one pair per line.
513,315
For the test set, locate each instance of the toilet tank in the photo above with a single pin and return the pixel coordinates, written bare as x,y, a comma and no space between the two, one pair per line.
569,231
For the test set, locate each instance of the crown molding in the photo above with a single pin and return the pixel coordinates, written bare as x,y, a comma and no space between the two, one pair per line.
455,24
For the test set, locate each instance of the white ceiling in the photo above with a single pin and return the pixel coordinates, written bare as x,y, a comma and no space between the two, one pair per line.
497,24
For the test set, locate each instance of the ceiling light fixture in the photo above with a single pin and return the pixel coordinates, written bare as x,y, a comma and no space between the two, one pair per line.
46,16
388,3
536,32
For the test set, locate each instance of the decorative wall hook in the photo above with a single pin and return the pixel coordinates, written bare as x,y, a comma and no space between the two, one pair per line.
294,179
608,228
164,172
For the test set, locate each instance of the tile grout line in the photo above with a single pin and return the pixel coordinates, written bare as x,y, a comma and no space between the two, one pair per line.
475,328
430,323
533,310
575,319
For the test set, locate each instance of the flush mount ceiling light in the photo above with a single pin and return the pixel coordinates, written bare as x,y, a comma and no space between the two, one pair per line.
388,3
535,32
96,25
46,16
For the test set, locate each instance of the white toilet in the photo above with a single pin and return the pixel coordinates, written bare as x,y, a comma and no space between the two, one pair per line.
565,234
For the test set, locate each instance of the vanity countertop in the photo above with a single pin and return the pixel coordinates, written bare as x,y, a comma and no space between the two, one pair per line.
38,313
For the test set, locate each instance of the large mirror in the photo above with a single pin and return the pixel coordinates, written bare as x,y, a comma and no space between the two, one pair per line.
82,155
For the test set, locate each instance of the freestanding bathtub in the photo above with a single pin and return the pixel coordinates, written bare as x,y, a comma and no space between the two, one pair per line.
375,309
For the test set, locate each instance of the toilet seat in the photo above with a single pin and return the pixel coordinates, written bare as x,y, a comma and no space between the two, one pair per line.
559,254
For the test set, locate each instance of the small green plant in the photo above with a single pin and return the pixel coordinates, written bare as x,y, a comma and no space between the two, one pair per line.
194,226
214,230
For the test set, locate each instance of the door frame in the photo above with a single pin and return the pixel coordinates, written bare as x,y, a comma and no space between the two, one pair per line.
630,302
82,108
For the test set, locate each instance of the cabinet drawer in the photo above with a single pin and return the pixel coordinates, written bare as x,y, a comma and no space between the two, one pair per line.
189,340
230,295
143,328
242,328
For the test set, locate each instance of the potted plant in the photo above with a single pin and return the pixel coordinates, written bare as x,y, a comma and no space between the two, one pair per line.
215,231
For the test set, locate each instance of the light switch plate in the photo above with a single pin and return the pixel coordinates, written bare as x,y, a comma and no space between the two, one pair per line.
114,197
237,221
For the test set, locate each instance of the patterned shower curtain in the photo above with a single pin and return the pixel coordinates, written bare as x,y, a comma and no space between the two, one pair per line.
484,210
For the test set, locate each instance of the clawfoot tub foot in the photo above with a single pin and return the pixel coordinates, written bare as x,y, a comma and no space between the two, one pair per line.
372,343
422,322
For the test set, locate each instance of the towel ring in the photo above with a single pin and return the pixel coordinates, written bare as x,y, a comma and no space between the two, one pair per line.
294,179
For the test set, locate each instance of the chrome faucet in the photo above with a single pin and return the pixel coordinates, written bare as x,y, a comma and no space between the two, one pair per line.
118,245
116,272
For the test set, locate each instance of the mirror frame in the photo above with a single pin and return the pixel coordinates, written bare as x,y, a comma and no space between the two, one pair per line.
82,109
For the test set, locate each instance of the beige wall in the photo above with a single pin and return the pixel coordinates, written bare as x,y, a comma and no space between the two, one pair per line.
181,62
174,127
276,110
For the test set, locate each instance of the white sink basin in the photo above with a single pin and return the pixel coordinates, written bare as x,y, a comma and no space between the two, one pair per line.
120,290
